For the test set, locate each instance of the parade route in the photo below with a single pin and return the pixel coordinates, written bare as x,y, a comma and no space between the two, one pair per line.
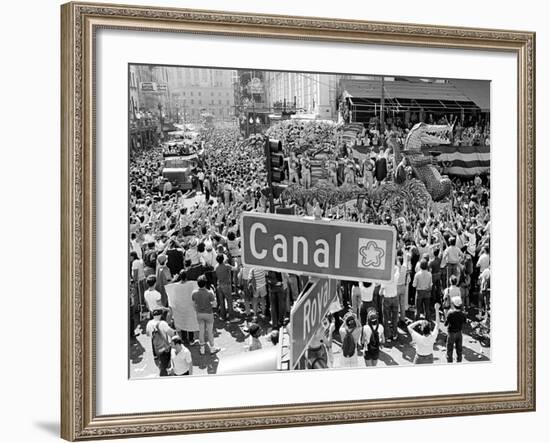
231,338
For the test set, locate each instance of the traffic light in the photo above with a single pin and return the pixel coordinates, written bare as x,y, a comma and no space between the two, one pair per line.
275,161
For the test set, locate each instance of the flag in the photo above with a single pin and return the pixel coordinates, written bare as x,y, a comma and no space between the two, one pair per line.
463,160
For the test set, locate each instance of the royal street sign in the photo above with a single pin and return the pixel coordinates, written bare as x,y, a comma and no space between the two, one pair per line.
323,248
307,316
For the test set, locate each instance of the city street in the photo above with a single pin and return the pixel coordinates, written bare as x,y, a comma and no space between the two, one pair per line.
231,338
319,197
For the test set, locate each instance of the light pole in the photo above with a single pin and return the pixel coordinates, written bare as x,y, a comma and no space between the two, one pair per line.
382,103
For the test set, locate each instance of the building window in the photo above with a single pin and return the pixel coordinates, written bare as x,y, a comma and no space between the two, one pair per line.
211,94
200,93
219,102
192,101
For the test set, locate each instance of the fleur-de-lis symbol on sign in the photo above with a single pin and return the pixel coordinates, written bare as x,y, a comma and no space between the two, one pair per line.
371,254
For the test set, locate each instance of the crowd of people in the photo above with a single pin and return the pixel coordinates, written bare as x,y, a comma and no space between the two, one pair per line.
186,269
470,132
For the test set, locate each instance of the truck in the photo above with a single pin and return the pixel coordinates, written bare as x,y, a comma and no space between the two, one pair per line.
179,169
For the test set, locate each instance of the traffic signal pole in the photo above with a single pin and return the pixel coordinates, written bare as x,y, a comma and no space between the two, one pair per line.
275,168
267,152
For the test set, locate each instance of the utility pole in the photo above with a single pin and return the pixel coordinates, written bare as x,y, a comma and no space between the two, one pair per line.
382,103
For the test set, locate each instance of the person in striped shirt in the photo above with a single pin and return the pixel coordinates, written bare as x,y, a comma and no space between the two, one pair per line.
258,283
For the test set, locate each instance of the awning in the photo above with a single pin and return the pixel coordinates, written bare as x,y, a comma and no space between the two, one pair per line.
398,94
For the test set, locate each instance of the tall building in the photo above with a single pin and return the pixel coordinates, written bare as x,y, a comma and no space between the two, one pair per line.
309,93
144,113
196,91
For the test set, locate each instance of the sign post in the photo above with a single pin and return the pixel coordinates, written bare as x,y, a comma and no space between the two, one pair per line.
321,248
306,316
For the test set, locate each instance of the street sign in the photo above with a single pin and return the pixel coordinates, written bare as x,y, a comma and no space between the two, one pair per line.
323,248
307,314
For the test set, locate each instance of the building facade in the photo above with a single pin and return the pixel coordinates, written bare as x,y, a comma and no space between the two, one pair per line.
307,93
149,88
195,92
147,105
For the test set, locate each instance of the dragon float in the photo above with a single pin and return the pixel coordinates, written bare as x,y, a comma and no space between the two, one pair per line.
420,135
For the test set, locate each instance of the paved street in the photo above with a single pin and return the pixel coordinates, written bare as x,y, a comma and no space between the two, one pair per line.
231,337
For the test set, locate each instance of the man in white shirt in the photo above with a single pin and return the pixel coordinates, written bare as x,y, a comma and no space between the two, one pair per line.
148,237
135,246
152,296
402,283
200,176
484,260
138,268
452,257
161,334
425,339
471,243
181,360
391,305
208,257
485,289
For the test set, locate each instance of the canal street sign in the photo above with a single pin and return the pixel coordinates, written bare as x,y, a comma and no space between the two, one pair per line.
307,314
323,248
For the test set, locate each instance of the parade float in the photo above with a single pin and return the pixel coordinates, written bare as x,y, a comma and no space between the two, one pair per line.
321,140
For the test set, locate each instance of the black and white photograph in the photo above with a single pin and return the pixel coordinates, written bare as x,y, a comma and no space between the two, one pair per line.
283,221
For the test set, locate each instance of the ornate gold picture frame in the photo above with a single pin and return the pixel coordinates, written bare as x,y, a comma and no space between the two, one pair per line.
80,21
